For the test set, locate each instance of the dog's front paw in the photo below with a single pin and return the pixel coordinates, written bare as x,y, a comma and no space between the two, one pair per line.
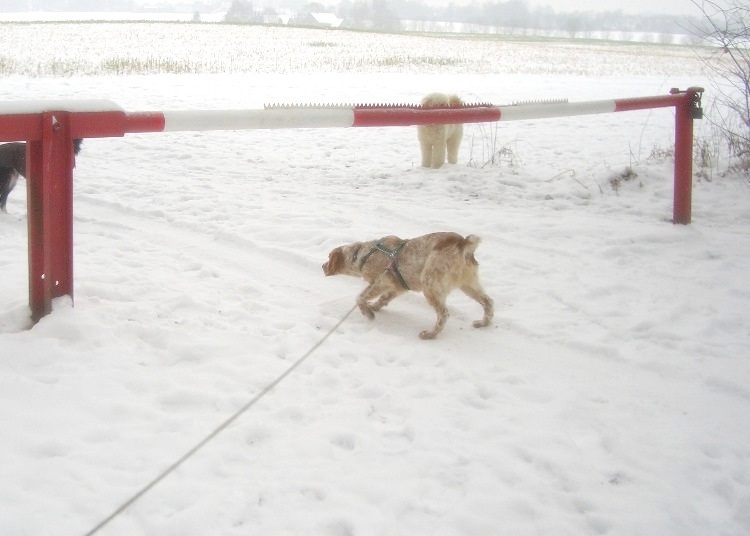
366,310
427,335
481,323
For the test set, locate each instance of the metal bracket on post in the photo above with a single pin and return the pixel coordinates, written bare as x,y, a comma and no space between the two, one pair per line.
49,182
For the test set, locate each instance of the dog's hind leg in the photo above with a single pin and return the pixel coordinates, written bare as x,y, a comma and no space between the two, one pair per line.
453,143
477,293
438,303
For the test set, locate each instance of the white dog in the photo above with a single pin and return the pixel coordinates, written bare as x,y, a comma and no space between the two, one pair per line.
435,139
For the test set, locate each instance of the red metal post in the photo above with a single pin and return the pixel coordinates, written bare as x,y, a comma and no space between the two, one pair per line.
685,112
49,163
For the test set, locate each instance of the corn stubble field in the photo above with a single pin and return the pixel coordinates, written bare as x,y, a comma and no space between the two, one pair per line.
204,48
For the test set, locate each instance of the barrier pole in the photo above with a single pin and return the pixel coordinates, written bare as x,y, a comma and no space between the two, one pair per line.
50,213
50,156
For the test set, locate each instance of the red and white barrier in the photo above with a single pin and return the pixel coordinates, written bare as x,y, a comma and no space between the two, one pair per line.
49,127
281,117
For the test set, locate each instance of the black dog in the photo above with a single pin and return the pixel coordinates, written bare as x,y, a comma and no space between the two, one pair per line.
13,164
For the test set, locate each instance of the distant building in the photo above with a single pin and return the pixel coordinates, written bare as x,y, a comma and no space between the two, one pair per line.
323,20
277,16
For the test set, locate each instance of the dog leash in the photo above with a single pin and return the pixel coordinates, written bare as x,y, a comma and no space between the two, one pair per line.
223,426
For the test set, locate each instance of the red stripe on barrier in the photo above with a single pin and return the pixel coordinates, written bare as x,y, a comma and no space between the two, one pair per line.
97,124
647,103
406,116
144,122
20,127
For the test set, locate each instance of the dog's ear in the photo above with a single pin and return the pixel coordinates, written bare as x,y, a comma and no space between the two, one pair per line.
335,262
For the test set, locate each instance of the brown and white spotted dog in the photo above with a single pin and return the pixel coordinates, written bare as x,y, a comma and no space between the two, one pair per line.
434,264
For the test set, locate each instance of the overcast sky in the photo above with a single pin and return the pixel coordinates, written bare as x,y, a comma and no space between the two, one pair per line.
671,7
679,7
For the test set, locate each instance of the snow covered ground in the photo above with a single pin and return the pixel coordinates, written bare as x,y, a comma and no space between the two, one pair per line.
610,395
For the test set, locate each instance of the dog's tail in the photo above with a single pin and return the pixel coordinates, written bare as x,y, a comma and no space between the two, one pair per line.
470,245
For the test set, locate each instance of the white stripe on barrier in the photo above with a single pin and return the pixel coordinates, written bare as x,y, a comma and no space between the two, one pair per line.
176,121
555,109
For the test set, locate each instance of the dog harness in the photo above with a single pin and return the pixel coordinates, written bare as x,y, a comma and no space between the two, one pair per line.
392,259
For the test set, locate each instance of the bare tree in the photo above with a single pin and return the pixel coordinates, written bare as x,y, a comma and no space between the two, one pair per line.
727,34
240,11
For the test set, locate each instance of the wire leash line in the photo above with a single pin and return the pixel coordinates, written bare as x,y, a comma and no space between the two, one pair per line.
223,426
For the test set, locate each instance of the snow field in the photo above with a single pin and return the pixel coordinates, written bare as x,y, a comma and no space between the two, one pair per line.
608,397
